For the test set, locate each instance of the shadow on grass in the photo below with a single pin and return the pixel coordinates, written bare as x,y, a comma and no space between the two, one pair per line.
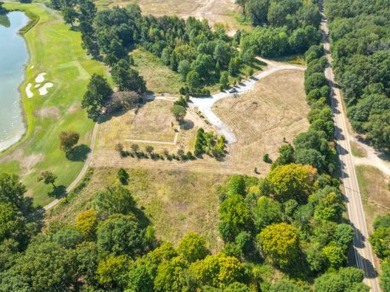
58,191
78,153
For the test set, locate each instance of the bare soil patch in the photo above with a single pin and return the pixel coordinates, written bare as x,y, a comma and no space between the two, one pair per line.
51,112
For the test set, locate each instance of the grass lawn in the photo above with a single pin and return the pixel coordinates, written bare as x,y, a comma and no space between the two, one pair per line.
357,151
55,50
375,189
159,78
176,202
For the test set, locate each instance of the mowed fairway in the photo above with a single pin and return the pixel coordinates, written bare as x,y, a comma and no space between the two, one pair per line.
55,50
262,118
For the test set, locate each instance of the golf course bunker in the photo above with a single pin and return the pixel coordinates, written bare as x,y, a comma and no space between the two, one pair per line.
43,89
40,78
28,90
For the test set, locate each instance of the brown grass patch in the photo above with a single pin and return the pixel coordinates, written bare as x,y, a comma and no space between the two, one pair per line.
357,150
175,202
375,190
260,119
51,112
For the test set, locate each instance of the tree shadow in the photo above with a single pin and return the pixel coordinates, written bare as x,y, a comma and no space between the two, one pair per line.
58,192
186,125
78,153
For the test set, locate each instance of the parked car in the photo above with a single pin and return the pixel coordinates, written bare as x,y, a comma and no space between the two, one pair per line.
232,90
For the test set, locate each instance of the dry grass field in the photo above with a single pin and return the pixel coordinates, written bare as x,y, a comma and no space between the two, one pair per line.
215,11
175,202
261,119
375,189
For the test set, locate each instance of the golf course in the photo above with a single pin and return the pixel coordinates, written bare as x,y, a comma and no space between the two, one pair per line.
56,76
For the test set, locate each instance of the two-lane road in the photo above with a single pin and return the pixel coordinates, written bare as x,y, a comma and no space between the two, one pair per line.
361,245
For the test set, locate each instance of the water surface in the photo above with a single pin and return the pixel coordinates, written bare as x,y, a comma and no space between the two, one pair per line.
13,58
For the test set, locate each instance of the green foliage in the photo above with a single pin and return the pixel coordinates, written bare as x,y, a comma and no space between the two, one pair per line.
97,96
330,207
120,234
385,276
235,216
280,244
111,272
47,177
192,247
285,286
68,237
266,212
68,140
335,255
292,181
127,78
208,143
219,270
347,279
179,112
114,200
86,223
343,235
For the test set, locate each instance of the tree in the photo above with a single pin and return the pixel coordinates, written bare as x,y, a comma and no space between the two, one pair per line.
173,276
329,208
219,270
120,234
385,277
285,286
266,212
311,157
234,215
114,200
316,80
335,255
69,14
149,149
343,235
141,277
224,79
179,112
192,247
86,223
236,185
87,257
45,266
111,272
97,95
68,237
68,139
193,79
123,176
279,243
183,68
47,177
329,282
286,156
134,147
291,181
127,78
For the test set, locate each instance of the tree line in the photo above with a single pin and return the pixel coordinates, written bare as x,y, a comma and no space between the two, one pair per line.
359,32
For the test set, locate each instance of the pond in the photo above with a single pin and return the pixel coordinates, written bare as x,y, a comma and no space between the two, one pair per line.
13,59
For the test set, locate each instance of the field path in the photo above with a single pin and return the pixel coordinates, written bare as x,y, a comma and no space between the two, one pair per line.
81,173
205,104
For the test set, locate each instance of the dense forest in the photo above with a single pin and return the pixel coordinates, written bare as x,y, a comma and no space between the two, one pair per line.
360,32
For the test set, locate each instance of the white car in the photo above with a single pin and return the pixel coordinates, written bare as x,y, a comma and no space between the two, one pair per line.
232,90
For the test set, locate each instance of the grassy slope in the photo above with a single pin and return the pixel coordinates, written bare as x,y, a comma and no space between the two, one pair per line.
56,50
176,202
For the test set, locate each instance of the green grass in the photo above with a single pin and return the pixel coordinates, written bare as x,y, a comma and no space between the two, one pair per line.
56,50
357,151
159,78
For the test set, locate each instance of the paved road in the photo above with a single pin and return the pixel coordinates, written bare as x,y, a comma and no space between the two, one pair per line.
362,247
82,172
204,105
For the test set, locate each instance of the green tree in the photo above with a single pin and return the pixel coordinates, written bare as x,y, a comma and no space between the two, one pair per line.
68,140
87,257
120,234
224,79
68,237
285,286
329,208
69,14
173,275
86,223
47,177
385,276
111,272
183,68
114,200
235,216
192,247
280,244
179,112
291,181
219,270
236,185
97,95
343,235
193,79
335,255
266,212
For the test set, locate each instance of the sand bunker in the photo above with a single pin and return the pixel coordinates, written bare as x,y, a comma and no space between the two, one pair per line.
37,85
28,91
40,78
43,89
32,67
